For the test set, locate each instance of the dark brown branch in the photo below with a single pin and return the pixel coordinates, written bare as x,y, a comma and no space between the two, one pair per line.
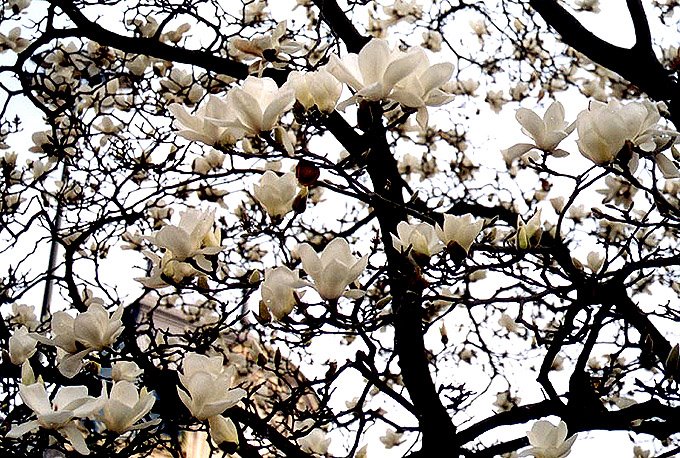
154,48
638,64
338,21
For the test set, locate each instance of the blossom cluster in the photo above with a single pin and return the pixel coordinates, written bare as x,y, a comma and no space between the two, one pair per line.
605,131
377,73
118,411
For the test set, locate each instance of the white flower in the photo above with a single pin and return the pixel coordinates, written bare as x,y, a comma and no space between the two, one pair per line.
24,315
333,269
315,441
276,193
222,430
76,337
214,123
204,164
258,104
588,5
374,72
125,370
270,49
21,346
391,438
639,452
464,87
124,407
319,88
421,238
595,261
432,40
603,129
495,100
278,290
192,239
95,329
409,11
546,133
506,401
207,386
13,41
459,230
529,233
69,403
508,323
478,27
548,440
422,87
17,5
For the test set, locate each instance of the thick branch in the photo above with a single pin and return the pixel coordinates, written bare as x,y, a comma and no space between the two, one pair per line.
338,21
406,284
638,64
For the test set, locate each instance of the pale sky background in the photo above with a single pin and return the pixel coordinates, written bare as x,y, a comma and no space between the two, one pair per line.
613,24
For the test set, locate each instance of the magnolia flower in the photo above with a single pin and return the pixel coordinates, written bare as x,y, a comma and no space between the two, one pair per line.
258,104
618,190
76,337
548,440
181,86
21,346
207,385
222,430
588,5
13,41
374,72
421,238
495,100
69,403
422,87
546,133
319,88
211,161
506,401
270,48
409,11
333,269
315,441
124,407
432,40
278,290
459,230
17,5
595,261
203,125
603,129
391,438
96,329
529,233
507,322
24,315
125,370
192,239
639,452
276,193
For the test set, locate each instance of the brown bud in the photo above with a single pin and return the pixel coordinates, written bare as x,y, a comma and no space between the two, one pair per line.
306,172
264,314
300,202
